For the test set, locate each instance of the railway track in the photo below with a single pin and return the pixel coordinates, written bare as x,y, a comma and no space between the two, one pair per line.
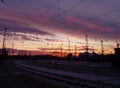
66,79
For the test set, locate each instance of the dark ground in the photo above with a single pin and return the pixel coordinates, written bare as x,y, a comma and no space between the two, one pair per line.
12,78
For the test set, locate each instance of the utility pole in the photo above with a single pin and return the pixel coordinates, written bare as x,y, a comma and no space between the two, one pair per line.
75,50
22,46
69,45
4,52
102,48
61,49
4,38
118,44
86,40
13,49
92,49
52,48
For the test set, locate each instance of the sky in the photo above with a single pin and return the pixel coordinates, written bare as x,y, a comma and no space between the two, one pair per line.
48,25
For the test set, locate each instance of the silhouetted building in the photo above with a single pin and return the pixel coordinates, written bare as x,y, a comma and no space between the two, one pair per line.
116,61
4,53
117,51
69,56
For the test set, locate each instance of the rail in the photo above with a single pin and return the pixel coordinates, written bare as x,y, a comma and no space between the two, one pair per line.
65,79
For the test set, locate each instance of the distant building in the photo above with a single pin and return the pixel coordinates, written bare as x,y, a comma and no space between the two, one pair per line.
87,54
69,56
116,60
117,51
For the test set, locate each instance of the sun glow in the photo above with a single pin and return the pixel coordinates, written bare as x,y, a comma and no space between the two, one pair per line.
56,44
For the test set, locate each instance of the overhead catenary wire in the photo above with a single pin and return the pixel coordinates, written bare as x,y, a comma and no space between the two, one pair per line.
101,15
16,9
110,12
3,1
67,10
104,14
92,18
28,17
45,11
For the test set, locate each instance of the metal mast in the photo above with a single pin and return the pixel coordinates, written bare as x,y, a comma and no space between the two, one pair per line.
4,39
4,52
69,45
102,48
61,50
75,50
86,40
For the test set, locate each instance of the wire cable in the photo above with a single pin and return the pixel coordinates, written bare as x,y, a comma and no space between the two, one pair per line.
82,1
45,11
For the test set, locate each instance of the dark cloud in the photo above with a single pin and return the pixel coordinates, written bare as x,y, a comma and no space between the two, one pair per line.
45,49
84,19
15,26
53,40
95,28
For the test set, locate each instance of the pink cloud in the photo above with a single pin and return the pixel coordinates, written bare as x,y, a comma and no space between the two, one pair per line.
86,24
12,16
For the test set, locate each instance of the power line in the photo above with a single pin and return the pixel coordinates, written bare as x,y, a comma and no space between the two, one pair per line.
82,1
107,13
16,9
104,14
3,1
45,11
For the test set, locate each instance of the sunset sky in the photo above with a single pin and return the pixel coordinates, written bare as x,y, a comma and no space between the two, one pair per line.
47,25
